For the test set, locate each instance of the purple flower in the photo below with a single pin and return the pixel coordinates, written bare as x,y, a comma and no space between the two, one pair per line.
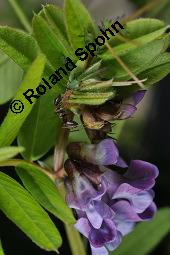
103,153
108,204
113,110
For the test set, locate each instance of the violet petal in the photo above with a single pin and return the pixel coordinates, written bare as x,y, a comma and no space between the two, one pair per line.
149,213
113,245
142,174
107,233
83,226
99,251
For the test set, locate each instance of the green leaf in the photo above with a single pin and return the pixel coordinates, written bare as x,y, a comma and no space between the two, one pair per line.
1,249
124,48
143,26
38,133
13,122
78,22
146,235
49,43
18,205
44,191
18,45
10,78
55,17
158,70
137,60
90,98
135,33
9,152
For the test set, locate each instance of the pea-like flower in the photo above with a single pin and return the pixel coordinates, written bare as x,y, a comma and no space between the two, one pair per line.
116,109
108,204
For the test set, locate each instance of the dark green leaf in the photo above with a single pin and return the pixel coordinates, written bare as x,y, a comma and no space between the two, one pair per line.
13,122
158,70
18,205
55,17
146,235
135,33
38,133
44,191
137,60
78,22
49,43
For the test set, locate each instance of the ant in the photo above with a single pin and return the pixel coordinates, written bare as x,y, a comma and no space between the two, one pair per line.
64,115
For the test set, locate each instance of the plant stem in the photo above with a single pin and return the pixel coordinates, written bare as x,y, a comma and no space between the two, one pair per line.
75,241
60,147
21,15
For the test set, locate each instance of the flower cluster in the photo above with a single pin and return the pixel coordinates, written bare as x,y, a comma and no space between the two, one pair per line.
109,196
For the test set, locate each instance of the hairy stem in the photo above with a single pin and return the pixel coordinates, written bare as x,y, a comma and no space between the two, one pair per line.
21,15
60,148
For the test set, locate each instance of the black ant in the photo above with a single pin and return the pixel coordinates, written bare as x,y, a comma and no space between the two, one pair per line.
64,115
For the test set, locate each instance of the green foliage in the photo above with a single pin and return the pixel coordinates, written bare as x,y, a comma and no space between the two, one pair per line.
9,152
55,17
18,205
1,249
146,235
137,59
38,133
18,45
51,46
78,22
10,78
13,122
44,191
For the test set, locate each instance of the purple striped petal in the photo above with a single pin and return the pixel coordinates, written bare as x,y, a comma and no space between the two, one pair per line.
125,212
113,245
103,153
142,174
139,199
107,233
104,210
149,213
94,217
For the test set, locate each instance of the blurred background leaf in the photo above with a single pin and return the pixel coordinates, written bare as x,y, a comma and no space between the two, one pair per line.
146,235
